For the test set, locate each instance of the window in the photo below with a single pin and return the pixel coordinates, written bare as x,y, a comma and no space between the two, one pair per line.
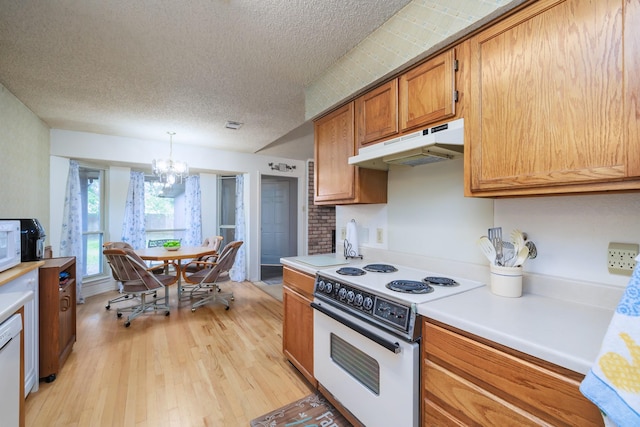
227,206
92,188
164,209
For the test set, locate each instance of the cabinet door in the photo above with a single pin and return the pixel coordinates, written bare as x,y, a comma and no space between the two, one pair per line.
334,144
297,334
377,113
427,92
336,181
28,282
547,98
67,320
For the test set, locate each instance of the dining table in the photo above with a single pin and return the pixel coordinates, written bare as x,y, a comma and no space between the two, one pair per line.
177,255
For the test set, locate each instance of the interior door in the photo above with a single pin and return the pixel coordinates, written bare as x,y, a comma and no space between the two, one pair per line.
278,219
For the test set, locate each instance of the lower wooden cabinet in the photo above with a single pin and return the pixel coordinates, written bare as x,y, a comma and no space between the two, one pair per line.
57,314
467,380
297,329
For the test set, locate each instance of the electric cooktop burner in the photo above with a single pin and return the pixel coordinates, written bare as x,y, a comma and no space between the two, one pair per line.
380,268
440,281
351,271
409,286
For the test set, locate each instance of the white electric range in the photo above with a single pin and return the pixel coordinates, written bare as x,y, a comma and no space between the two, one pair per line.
367,339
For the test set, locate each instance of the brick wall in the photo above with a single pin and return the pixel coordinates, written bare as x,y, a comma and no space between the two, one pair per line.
322,223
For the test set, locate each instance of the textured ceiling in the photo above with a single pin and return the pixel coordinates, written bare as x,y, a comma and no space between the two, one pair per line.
142,68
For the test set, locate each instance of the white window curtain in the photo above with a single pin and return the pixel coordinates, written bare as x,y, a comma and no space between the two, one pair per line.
133,231
193,219
71,236
239,271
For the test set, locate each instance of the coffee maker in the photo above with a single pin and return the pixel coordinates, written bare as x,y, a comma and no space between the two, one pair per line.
32,239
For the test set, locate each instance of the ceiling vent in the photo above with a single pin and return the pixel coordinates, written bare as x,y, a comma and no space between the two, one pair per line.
233,125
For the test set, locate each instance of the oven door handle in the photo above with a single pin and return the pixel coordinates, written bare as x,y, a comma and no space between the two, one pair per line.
393,347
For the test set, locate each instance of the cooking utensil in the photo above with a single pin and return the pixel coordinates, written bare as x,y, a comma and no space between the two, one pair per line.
533,251
509,253
523,254
495,236
487,249
518,240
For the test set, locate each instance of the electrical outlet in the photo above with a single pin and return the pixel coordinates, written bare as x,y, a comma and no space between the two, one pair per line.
622,258
343,233
379,235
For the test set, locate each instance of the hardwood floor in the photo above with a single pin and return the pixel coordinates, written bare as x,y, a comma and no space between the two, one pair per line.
209,368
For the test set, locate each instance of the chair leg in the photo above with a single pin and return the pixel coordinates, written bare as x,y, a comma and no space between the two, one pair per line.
144,306
214,296
118,299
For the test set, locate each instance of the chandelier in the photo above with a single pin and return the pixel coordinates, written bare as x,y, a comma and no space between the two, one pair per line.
169,171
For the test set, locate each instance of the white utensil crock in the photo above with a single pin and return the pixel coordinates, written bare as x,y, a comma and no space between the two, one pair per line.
506,281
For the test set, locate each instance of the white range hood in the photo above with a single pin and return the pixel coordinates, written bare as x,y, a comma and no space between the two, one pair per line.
442,142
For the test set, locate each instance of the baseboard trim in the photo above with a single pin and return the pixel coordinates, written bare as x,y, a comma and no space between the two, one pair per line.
98,287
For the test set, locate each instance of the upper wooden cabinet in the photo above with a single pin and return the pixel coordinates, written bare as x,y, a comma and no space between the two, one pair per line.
427,93
377,113
336,181
553,105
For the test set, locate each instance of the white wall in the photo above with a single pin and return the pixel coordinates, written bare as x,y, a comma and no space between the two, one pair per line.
24,144
427,215
123,154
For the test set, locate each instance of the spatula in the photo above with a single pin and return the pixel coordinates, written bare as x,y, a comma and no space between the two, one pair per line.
518,240
487,249
495,237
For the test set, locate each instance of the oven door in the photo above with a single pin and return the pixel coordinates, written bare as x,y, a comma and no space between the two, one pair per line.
374,374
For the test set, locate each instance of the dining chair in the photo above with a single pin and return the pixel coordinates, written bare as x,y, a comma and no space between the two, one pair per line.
205,283
122,296
138,280
213,243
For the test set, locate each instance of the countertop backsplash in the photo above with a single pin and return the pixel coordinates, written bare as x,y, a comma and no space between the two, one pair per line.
427,215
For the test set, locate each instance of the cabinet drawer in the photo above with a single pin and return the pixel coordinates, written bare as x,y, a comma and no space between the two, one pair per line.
542,389
466,402
299,281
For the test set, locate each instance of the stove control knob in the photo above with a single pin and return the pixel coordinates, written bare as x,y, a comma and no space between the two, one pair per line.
368,303
342,293
350,296
321,285
358,300
328,287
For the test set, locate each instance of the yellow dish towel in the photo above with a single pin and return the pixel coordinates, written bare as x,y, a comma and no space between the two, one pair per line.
613,382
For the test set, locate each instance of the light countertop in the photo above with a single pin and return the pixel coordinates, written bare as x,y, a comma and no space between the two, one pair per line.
562,323
561,332
310,264
12,301
19,270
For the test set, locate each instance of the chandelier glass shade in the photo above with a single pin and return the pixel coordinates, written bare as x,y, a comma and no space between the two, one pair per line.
170,171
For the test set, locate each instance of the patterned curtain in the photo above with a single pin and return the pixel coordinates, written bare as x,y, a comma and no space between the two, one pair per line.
133,231
71,238
193,218
239,271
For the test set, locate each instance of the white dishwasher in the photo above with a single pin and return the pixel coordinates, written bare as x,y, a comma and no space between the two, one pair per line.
10,370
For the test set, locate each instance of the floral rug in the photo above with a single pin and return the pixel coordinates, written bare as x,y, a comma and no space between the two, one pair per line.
313,410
